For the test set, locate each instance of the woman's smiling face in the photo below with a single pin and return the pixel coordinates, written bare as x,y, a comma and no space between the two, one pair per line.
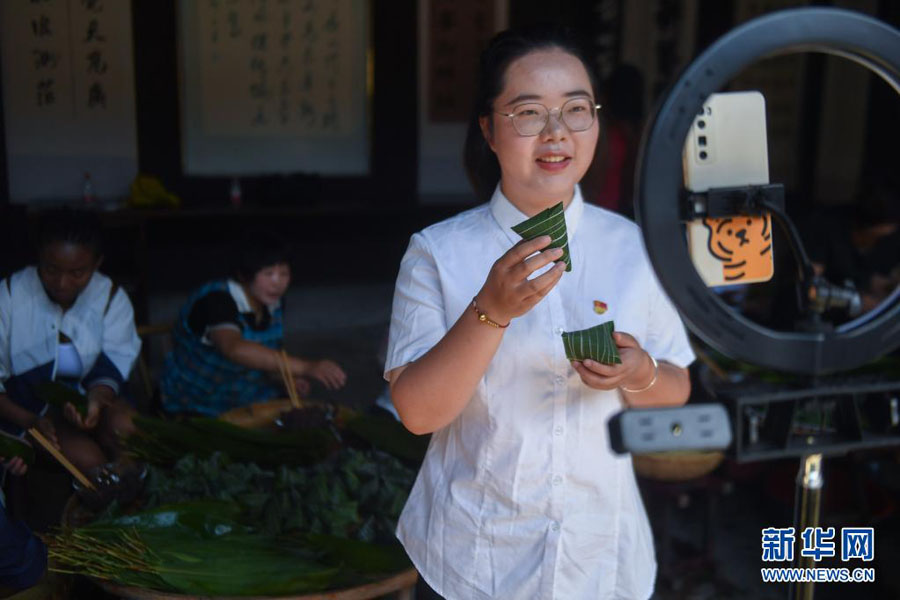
542,170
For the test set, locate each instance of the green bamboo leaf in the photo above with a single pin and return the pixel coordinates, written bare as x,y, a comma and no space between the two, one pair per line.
162,442
207,518
12,446
138,551
389,436
552,222
57,394
360,556
595,343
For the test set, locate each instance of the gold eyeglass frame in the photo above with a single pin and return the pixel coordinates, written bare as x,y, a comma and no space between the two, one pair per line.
559,116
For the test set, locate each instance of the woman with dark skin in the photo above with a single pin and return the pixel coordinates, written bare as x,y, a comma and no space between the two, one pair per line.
64,321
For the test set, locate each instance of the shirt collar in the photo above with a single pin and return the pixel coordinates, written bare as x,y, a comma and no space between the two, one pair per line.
240,298
507,215
84,301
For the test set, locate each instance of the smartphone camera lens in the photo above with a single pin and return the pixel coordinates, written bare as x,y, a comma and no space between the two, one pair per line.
701,123
701,140
703,155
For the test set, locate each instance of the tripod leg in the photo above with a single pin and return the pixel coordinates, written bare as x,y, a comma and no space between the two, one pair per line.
806,514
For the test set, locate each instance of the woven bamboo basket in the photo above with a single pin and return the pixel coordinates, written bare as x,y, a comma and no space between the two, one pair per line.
676,466
258,414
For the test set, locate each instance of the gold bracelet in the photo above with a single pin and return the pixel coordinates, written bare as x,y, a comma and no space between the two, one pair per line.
484,318
652,381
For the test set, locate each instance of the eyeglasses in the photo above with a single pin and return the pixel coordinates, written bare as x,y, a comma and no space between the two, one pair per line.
530,119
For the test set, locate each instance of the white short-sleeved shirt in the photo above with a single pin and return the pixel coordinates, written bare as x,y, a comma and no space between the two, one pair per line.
101,321
521,497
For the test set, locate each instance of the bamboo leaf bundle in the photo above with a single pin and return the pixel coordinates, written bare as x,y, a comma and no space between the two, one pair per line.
200,548
552,222
390,436
162,442
12,447
595,343
179,560
57,395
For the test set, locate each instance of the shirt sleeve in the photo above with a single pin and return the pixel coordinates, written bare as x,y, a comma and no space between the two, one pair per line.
5,310
667,337
119,347
418,319
215,309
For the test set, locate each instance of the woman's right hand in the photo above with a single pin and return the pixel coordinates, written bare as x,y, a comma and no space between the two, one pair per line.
329,373
508,293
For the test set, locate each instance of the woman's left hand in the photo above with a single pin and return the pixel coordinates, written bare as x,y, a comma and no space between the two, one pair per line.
635,371
89,421
98,398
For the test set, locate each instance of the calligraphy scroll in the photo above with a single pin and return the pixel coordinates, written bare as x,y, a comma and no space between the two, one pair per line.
452,34
68,98
274,86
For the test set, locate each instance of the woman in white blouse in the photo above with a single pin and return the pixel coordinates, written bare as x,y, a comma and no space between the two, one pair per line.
64,321
519,495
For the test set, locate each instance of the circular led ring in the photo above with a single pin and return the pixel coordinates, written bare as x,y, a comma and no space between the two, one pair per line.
850,35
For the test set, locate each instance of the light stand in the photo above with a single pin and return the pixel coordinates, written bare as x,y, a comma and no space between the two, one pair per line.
814,352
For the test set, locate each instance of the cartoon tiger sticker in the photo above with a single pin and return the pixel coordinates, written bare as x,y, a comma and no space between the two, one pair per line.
744,247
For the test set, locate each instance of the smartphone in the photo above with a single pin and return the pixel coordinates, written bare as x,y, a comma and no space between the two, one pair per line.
727,147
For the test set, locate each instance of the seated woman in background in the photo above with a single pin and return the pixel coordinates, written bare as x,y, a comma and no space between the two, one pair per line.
64,321
229,335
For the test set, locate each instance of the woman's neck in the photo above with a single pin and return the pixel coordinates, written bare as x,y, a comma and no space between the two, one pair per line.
255,305
530,203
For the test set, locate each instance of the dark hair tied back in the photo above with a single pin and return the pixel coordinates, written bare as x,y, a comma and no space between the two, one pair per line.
480,161
69,226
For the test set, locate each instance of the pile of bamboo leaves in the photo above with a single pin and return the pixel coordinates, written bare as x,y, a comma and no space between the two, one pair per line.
356,494
163,442
204,548
232,511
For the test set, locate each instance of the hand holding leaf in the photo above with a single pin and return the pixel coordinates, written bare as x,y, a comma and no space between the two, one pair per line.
508,293
634,370
17,452
58,395
91,418
552,222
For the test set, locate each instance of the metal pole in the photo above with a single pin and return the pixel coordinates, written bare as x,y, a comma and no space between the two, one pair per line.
806,514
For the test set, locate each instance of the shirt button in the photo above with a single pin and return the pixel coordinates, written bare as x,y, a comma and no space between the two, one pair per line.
559,331
554,526
558,430
557,480
559,381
